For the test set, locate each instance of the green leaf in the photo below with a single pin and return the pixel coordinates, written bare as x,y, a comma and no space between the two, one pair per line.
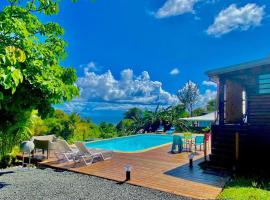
20,55
17,76
1,96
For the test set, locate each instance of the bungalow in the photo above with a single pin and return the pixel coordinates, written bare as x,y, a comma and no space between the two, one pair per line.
241,135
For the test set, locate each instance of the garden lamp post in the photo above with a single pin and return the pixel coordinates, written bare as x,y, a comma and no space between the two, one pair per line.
127,169
191,156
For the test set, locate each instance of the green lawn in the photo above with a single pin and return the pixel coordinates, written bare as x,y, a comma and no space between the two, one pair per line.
245,189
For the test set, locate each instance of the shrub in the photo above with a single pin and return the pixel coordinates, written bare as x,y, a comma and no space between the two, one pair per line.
7,161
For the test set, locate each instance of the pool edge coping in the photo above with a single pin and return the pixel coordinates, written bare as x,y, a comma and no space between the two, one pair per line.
139,151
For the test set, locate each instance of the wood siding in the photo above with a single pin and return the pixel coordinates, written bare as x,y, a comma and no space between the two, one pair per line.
259,109
254,145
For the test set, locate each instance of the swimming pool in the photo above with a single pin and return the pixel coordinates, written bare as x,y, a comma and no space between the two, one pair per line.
135,143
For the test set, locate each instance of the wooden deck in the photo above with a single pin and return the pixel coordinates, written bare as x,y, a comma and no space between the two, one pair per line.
156,169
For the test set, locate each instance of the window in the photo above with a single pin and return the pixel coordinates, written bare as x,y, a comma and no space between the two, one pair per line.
264,84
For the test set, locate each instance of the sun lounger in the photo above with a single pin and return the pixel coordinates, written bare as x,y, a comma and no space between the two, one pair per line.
64,152
88,155
169,132
160,129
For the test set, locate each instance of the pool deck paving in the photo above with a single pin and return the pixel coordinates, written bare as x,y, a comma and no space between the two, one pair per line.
156,169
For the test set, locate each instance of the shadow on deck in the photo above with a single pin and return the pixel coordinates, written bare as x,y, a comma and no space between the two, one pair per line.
196,174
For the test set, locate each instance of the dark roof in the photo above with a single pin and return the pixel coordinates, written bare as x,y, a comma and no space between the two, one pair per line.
238,67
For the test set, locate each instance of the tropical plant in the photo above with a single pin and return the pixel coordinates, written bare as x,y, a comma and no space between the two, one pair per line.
31,76
133,113
188,95
11,134
108,130
171,117
211,105
199,111
70,127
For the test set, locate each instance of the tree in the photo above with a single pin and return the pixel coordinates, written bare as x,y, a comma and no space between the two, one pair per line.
211,105
71,127
31,76
108,130
170,117
133,113
126,126
188,95
199,111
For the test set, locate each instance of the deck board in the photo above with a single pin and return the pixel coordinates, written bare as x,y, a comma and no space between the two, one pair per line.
156,169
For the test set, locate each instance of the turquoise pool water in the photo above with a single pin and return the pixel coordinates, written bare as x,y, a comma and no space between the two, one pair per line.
131,143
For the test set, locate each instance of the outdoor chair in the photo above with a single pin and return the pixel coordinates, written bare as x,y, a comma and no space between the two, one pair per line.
44,143
88,155
187,141
64,152
160,129
177,142
169,132
199,141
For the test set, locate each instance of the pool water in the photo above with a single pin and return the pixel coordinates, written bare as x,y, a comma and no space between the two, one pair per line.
133,143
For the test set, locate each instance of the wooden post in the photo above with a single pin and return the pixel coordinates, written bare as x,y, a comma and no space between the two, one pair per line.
237,139
221,103
205,149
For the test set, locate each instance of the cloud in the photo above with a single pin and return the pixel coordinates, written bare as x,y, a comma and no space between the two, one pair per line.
206,97
128,89
174,71
86,107
91,66
209,83
176,7
233,18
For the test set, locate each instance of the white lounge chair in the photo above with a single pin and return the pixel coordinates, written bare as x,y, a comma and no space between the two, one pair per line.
64,152
88,155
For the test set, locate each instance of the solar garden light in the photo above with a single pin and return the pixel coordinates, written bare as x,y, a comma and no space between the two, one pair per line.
191,156
127,170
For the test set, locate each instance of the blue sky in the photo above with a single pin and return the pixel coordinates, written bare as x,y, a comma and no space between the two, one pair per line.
140,52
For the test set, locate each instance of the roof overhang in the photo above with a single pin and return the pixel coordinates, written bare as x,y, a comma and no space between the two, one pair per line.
210,117
214,74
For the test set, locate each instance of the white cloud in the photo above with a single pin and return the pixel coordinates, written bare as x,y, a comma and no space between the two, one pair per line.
233,18
209,83
91,66
207,96
176,7
174,71
129,88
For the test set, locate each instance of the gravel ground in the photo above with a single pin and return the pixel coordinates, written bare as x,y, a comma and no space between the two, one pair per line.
22,183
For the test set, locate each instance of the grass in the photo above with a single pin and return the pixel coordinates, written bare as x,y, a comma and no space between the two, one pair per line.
246,189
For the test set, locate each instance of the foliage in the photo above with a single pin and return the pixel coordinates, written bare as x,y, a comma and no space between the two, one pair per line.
133,113
31,76
244,188
170,117
211,105
7,160
11,134
206,129
188,95
108,130
69,127
199,111
127,126
150,121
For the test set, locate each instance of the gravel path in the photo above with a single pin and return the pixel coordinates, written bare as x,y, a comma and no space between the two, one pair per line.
22,183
